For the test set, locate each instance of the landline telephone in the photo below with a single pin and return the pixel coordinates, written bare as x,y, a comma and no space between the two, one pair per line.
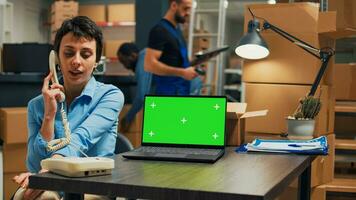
72,166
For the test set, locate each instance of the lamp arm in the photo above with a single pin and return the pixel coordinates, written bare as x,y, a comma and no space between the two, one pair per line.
307,47
325,57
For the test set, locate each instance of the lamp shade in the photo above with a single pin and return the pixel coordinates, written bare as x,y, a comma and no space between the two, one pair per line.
252,45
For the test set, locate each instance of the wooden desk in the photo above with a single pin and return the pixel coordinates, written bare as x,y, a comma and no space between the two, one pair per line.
234,176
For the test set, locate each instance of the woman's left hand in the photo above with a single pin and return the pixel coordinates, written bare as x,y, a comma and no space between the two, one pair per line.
23,179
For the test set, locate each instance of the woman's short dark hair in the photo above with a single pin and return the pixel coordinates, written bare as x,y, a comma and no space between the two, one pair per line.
80,26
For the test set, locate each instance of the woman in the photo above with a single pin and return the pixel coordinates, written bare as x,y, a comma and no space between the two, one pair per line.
92,107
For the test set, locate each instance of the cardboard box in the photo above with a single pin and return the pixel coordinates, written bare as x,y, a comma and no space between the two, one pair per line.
97,13
235,123
136,125
13,125
345,81
14,158
53,36
121,13
287,62
65,7
57,18
293,17
111,47
281,101
292,66
346,12
322,170
10,187
201,43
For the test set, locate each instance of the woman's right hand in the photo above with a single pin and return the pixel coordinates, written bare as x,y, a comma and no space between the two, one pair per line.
51,94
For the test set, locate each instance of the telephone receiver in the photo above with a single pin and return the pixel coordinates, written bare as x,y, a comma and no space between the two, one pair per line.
52,67
62,142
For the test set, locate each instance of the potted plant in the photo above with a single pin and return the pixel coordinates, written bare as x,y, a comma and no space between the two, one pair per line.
302,122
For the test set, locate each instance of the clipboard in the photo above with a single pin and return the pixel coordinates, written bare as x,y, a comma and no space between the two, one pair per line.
203,56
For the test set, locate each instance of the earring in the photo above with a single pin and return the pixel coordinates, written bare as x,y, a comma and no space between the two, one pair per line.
95,68
58,67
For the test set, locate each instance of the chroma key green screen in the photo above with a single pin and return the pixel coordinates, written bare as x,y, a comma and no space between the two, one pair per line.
184,120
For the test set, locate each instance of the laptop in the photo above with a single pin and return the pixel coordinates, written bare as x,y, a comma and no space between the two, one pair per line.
182,128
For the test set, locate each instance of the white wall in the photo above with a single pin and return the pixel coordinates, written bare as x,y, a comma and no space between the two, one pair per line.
30,21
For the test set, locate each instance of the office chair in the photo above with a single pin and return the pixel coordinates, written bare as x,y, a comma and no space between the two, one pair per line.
122,144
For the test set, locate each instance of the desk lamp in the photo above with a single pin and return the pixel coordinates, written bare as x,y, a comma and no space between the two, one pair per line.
253,46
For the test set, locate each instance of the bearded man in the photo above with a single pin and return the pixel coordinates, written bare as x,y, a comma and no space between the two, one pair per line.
167,55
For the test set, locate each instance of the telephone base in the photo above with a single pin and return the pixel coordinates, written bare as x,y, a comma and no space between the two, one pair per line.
82,173
79,167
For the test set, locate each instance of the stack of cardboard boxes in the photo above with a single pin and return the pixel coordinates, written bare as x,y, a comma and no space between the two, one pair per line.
13,133
278,82
345,91
113,15
60,11
345,82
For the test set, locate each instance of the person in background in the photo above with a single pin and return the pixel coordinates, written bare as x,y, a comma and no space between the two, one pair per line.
166,55
92,107
133,59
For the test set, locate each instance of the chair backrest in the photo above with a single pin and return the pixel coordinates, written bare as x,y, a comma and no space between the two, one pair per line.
122,144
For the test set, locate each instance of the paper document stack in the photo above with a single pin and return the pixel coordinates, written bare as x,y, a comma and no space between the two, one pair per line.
317,146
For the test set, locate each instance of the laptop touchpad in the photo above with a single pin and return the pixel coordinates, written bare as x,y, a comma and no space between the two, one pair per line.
171,155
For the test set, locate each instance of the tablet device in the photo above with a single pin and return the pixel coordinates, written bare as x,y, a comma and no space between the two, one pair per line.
203,56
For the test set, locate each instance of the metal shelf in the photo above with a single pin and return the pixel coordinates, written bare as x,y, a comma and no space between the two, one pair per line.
233,71
233,87
201,11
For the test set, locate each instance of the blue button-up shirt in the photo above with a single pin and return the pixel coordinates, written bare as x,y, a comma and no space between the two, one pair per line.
93,120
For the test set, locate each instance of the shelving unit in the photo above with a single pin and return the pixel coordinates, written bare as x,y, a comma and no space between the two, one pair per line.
211,15
115,24
345,144
345,158
341,185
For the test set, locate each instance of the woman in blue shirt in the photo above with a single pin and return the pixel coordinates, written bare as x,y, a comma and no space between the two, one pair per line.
92,107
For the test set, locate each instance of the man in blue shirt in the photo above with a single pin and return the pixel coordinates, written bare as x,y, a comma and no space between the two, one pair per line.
133,59
166,54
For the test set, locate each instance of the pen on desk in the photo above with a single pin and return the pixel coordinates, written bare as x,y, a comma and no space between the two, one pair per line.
302,145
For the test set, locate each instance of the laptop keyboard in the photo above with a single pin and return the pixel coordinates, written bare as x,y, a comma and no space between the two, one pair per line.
174,150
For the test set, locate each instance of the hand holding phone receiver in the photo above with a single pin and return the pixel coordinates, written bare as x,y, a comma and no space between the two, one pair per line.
52,68
58,143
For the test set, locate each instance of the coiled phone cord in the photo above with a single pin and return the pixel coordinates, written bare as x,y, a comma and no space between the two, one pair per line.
57,144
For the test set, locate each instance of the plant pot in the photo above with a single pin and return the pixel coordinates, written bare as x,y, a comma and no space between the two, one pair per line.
303,127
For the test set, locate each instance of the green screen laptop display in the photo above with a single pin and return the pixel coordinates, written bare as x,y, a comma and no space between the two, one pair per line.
184,120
